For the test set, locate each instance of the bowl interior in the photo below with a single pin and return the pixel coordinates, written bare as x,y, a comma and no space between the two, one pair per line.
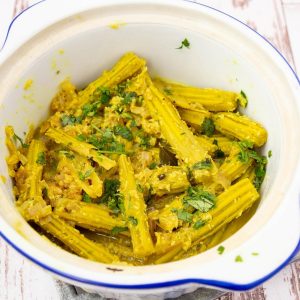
82,46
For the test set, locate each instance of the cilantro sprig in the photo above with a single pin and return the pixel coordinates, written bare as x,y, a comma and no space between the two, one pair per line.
246,153
124,132
111,195
85,175
23,145
183,215
185,43
208,127
203,165
116,230
41,159
199,199
133,220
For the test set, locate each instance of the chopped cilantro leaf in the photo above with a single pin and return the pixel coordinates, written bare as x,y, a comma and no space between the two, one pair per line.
133,123
238,258
105,95
111,196
133,220
185,43
270,153
68,120
101,95
124,132
243,99
261,162
68,154
106,143
145,141
199,199
221,249
183,215
152,166
121,87
260,172
128,98
208,127
23,145
81,137
41,159
243,156
107,134
168,91
86,175
86,198
245,144
198,224
116,230
203,165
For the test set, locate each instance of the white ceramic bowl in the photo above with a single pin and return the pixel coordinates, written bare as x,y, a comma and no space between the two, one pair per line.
78,41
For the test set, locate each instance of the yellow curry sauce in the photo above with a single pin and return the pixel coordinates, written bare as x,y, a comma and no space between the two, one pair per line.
138,170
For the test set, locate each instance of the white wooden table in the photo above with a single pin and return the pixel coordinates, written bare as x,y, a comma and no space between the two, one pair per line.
278,21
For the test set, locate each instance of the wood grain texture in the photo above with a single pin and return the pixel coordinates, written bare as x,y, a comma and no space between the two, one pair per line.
292,16
279,22
19,6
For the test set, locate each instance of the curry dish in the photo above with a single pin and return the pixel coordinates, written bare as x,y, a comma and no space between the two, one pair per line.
135,170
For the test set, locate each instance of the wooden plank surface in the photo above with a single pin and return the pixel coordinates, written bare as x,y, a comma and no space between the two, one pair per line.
278,21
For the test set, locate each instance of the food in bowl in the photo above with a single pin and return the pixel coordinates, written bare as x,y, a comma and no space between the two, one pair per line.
137,170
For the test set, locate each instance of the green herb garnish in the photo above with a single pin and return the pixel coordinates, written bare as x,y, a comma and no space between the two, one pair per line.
152,166
270,153
81,137
101,95
208,127
238,258
116,230
86,175
86,198
185,43
199,199
202,165
260,173
133,123
243,99
111,195
41,159
68,154
124,132
221,249
68,120
23,145
133,220
168,91
128,98
255,253
183,215
198,224
106,143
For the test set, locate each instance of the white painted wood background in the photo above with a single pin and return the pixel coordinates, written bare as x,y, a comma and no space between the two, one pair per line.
278,21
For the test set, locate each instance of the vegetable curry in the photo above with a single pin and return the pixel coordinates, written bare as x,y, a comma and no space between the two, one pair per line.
138,170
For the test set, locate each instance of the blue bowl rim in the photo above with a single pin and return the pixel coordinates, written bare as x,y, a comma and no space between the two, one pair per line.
216,283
